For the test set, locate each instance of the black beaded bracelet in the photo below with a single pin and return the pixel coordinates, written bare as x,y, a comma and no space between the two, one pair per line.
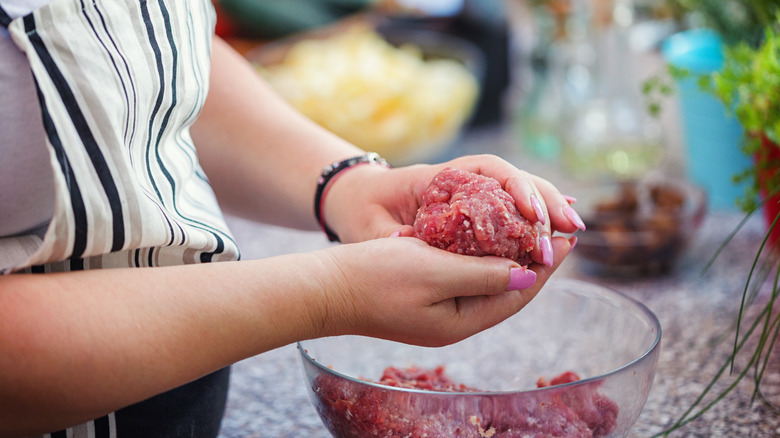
328,173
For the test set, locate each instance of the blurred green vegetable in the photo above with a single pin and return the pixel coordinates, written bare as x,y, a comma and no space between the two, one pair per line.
737,21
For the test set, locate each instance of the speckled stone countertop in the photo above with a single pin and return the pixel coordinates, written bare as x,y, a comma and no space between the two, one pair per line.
697,312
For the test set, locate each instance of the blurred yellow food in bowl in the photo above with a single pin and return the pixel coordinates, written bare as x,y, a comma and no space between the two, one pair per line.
399,101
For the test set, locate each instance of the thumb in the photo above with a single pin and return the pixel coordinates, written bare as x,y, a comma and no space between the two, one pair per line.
382,224
403,231
508,276
470,276
489,309
385,225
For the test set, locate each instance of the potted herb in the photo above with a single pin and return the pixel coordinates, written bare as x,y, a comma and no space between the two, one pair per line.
735,62
749,84
712,137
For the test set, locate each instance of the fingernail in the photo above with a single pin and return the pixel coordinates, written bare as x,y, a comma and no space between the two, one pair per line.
396,233
538,210
574,217
572,243
521,278
570,199
547,250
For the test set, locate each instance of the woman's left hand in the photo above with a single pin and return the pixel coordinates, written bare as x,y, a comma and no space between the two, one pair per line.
370,202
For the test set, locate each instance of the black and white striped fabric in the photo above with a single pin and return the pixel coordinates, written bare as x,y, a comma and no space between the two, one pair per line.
119,83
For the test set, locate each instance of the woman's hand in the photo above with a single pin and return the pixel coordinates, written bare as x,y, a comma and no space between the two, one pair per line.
401,289
370,202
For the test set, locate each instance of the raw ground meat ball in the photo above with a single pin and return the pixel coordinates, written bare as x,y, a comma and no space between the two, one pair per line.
471,214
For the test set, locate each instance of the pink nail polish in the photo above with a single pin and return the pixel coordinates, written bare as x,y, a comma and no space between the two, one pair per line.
521,278
574,217
538,210
570,199
395,233
572,243
545,244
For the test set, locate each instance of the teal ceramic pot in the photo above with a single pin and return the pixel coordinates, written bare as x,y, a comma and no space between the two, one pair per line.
712,136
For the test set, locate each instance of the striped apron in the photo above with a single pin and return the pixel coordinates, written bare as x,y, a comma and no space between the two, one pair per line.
119,82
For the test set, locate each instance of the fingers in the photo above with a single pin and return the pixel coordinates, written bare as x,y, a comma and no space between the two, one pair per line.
537,199
402,289
502,306
489,275
479,312
391,210
520,278
403,231
563,216
562,246
557,214
533,206
465,276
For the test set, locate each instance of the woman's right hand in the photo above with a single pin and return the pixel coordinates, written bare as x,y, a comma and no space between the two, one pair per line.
402,289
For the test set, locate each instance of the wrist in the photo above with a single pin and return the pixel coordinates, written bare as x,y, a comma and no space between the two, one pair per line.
332,309
328,178
308,288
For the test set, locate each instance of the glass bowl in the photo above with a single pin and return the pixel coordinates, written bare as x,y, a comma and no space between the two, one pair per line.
608,339
638,226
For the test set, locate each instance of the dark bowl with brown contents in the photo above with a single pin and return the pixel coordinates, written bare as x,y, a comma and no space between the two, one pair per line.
638,226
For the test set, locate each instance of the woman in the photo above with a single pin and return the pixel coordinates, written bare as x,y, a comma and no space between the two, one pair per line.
113,322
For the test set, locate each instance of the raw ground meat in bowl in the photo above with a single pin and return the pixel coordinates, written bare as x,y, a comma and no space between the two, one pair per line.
578,361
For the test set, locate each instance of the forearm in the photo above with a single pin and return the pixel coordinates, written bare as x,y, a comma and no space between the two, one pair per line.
75,346
249,139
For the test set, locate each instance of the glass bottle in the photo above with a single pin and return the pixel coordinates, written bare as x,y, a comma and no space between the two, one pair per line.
559,77
610,134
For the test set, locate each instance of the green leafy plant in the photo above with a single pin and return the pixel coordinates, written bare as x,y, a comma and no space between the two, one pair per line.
658,87
736,21
749,85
